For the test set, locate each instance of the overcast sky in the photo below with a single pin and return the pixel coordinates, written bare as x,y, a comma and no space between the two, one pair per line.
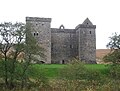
105,14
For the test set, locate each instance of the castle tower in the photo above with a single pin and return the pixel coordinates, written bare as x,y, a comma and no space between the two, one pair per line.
87,42
41,31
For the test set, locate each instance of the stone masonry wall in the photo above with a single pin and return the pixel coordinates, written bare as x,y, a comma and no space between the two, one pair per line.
63,45
87,42
41,31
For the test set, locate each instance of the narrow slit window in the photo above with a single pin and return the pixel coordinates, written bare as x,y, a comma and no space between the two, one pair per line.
51,46
71,46
34,34
90,32
37,34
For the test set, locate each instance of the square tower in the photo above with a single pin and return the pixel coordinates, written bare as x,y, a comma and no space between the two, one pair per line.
87,41
41,31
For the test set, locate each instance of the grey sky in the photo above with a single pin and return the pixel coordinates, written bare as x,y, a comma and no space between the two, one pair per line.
103,13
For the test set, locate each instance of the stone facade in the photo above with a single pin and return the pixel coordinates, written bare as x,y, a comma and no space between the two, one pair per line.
62,44
42,32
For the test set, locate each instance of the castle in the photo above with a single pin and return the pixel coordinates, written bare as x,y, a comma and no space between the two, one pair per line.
62,44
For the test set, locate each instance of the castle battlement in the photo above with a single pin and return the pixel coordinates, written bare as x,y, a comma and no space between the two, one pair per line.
86,26
57,30
37,19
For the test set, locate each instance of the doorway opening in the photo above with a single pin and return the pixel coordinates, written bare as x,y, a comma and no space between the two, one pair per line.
63,61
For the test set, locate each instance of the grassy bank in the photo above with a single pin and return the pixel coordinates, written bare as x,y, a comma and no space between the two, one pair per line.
52,70
43,77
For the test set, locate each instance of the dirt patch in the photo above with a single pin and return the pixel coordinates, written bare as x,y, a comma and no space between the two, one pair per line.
100,53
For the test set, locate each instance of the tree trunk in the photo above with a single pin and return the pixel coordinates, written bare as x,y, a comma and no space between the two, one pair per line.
24,71
6,71
13,70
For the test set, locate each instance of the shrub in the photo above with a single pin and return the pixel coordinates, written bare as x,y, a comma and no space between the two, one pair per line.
114,71
74,71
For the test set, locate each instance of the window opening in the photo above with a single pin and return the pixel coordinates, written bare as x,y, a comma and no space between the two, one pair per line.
37,33
34,34
51,46
71,46
90,32
62,27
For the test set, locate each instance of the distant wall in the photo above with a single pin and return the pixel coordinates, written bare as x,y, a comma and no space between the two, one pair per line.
63,44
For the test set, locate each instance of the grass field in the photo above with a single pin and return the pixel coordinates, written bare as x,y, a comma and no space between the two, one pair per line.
52,70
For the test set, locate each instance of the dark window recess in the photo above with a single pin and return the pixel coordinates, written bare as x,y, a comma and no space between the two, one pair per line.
51,46
71,46
37,34
42,24
87,23
90,32
34,34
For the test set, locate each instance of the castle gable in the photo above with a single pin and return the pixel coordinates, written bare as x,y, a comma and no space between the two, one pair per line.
87,22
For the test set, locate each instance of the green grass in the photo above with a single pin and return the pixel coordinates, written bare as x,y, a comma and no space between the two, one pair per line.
51,65
96,66
52,70
99,67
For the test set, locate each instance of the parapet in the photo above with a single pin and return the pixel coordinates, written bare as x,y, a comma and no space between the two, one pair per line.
38,19
85,26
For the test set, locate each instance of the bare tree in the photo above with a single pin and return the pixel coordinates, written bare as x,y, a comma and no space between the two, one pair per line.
15,39
12,36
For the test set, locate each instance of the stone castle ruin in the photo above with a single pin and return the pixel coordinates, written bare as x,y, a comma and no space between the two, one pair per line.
62,44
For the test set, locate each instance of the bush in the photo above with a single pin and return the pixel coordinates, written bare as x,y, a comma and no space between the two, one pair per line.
74,71
79,73
114,71
33,76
